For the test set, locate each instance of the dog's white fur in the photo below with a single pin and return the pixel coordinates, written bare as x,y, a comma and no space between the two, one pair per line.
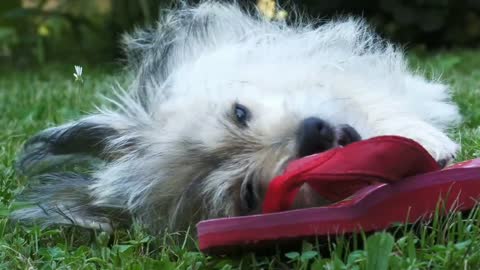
175,156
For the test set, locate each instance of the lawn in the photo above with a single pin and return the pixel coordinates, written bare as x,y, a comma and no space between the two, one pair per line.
34,99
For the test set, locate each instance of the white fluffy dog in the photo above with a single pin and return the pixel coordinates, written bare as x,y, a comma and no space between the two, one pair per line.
220,103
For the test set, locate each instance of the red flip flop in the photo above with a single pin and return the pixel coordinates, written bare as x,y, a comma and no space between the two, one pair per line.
375,183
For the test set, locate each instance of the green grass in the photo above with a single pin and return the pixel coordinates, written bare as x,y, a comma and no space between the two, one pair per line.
34,99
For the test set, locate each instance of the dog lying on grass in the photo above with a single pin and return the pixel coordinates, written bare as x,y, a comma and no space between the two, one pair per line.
221,102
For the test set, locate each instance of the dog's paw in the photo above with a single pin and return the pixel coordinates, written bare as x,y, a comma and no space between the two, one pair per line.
441,148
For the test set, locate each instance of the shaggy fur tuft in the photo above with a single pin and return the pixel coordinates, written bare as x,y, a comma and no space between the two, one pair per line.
214,113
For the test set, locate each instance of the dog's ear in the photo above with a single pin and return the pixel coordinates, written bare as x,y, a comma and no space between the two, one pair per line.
99,136
64,198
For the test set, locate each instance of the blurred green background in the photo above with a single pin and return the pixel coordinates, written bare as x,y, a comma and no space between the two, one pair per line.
39,31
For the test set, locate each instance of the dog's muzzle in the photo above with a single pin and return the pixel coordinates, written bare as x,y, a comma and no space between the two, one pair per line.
316,135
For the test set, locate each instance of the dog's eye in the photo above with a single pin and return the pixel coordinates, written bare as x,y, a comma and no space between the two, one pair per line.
242,114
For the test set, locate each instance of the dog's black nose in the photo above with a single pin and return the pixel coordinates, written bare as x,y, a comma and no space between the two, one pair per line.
314,136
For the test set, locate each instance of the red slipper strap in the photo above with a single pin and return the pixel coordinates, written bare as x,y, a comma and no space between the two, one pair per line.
338,173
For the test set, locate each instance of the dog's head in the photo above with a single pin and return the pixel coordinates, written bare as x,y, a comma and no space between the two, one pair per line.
217,147
234,99
254,143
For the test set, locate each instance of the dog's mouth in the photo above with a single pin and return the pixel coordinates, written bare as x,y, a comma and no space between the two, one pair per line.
306,197
253,192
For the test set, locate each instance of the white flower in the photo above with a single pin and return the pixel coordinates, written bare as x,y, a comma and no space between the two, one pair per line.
78,73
